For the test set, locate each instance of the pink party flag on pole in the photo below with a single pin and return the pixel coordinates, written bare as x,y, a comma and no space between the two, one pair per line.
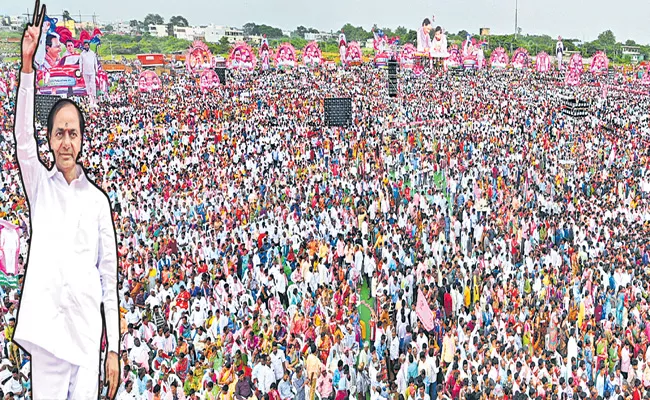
424,311
9,247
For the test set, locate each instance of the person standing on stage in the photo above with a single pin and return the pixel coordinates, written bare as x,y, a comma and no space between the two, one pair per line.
69,295
88,67
559,51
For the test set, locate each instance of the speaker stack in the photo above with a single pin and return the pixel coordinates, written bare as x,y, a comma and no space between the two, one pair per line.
392,78
338,111
221,73
575,108
43,104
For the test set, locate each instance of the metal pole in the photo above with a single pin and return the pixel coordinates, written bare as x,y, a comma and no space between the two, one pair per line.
516,12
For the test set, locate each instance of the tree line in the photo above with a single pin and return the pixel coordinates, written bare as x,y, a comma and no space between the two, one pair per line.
142,42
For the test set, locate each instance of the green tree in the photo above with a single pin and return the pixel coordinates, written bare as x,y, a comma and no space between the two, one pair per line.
223,47
401,32
136,25
298,42
355,33
269,31
607,38
153,19
109,28
249,29
388,32
630,42
300,31
178,20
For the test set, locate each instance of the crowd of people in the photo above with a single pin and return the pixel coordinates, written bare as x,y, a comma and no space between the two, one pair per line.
263,255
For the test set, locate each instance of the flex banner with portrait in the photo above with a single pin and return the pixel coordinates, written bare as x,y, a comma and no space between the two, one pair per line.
57,60
148,81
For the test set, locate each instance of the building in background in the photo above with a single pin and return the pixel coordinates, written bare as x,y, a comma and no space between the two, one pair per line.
121,27
190,33
13,23
632,52
214,34
319,37
159,30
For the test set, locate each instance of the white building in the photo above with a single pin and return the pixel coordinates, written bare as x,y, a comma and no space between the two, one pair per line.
214,34
319,37
16,23
158,30
121,27
633,53
190,33
17,20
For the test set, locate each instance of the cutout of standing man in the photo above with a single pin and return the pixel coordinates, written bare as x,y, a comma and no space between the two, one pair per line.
88,66
72,264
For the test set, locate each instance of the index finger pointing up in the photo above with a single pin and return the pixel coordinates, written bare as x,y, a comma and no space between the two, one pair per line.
36,15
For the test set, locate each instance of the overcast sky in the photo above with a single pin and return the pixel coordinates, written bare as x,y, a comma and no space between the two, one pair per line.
581,19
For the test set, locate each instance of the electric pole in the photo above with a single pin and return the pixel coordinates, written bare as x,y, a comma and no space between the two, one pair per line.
516,12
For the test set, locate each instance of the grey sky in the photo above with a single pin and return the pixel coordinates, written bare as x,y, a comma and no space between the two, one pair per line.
581,19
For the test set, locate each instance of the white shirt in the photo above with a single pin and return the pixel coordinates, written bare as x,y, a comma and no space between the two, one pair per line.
266,378
132,317
88,63
124,395
73,258
12,385
277,363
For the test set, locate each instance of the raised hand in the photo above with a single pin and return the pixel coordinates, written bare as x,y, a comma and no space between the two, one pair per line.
31,37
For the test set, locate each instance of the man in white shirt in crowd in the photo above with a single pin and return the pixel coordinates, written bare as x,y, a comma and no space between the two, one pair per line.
277,361
133,317
266,376
281,285
129,337
147,329
14,383
71,281
198,315
128,393
88,67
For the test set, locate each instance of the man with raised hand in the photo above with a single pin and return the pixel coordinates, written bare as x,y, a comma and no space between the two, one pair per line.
71,279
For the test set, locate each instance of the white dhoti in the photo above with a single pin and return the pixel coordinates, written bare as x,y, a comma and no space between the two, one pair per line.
91,87
56,379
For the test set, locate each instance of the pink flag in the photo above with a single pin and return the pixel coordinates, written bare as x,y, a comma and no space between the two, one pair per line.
9,247
424,311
